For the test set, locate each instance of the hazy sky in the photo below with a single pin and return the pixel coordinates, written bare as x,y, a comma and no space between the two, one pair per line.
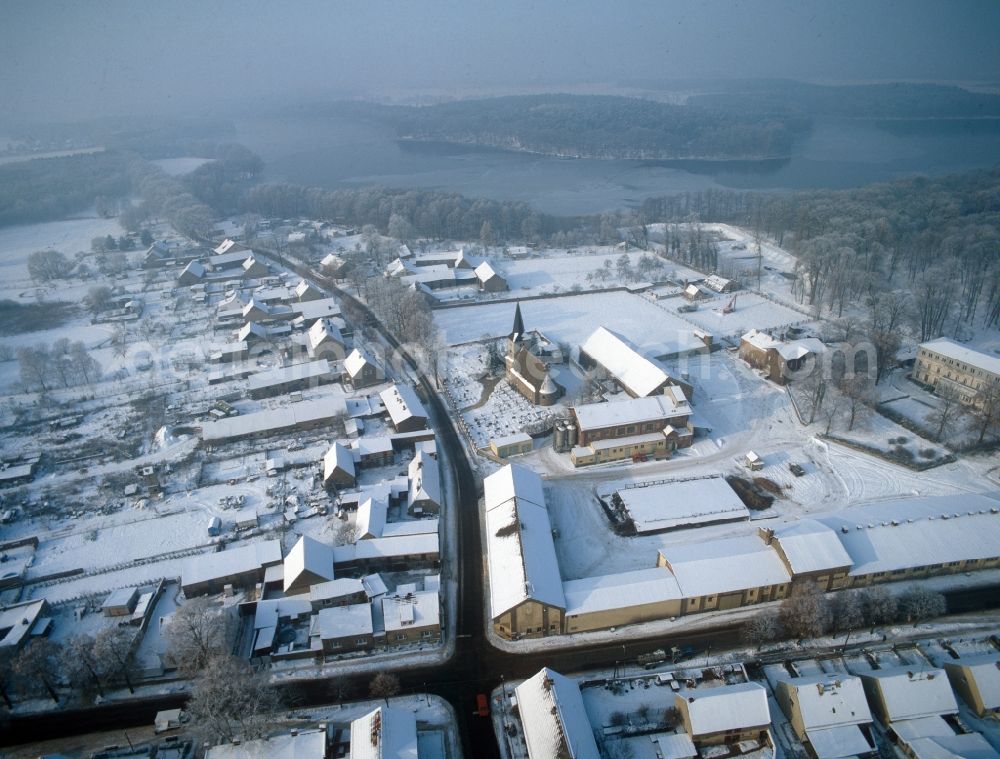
100,56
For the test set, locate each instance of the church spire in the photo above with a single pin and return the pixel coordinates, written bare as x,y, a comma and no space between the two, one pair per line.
518,330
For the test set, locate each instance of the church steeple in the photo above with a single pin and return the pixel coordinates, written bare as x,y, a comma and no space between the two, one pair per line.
518,332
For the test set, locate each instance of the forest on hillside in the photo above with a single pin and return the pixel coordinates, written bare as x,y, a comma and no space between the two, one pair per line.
593,126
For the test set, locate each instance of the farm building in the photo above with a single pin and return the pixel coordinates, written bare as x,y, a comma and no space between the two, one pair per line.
303,415
240,567
676,505
637,375
718,284
526,595
489,280
287,379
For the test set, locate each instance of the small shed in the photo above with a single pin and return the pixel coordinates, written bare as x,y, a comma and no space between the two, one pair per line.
511,445
120,603
168,719
753,462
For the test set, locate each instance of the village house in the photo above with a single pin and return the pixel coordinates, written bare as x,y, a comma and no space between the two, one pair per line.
411,617
829,714
553,718
718,284
371,518
254,268
389,553
361,369
943,363
386,733
241,567
525,371
230,247
338,467
406,411
526,595
977,680
324,340
342,591
637,375
308,563
192,274
342,629
727,714
301,416
306,291
778,359
334,265
423,495
273,620
373,451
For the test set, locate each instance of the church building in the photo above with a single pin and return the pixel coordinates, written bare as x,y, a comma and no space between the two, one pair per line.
526,372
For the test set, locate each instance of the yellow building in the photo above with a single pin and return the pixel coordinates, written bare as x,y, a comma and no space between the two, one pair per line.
943,363
977,680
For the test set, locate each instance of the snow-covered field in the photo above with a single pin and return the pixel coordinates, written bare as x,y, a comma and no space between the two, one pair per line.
752,311
570,319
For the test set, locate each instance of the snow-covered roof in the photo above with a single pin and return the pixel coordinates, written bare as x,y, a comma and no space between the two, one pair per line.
344,621
306,744
410,527
283,417
912,532
985,671
957,352
387,548
338,588
522,556
727,707
669,505
374,585
402,403
356,361
229,246
371,518
309,561
338,457
811,546
372,446
554,719
760,340
194,268
311,370
211,566
386,733
17,620
512,481
420,609
838,742
517,437
828,700
620,591
321,308
717,283
305,286
425,480
591,416
912,693
636,373
485,272
952,746
724,566
324,330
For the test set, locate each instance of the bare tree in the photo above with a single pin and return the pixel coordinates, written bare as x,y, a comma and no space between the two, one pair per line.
85,365
116,646
920,603
944,418
81,665
44,265
37,664
832,410
847,610
384,685
859,393
229,700
986,413
198,631
761,628
35,364
97,299
806,613
878,606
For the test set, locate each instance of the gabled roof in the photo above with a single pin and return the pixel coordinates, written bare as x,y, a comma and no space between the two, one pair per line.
957,352
308,562
728,707
485,271
636,373
338,457
425,479
829,700
910,693
620,591
619,413
357,361
985,671
724,566
371,518
385,733
322,331
194,268
513,481
554,719
522,556
402,403
811,546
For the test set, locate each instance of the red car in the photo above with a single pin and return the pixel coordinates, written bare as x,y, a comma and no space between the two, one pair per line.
482,705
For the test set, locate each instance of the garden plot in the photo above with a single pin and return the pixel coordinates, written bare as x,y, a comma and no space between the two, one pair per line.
568,319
